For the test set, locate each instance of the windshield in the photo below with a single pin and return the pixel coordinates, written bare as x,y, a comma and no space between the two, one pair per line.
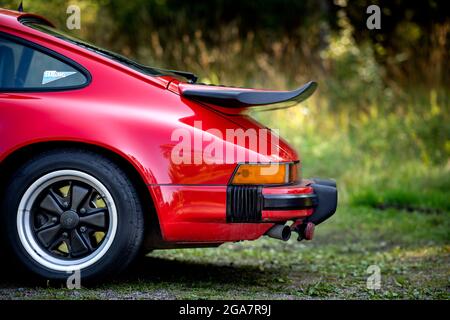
151,71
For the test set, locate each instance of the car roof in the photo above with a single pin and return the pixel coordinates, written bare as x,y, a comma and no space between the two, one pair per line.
10,18
12,21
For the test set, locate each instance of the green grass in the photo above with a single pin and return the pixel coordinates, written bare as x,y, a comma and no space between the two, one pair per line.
425,201
412,250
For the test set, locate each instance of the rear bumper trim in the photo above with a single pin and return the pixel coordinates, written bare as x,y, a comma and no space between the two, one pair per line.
314,202
290,201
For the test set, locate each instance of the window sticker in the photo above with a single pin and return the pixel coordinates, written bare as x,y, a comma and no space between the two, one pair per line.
51,75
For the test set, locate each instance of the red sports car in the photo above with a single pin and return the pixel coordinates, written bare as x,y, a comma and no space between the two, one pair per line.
103,159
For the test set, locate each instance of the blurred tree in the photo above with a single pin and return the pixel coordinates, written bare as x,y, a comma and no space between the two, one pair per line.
412,44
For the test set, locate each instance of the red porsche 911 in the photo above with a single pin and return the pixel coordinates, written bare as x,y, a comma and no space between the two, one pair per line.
103,158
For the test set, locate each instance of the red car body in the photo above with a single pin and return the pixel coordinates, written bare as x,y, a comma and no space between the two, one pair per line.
132,116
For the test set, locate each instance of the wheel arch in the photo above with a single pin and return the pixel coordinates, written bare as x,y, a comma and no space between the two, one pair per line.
20,155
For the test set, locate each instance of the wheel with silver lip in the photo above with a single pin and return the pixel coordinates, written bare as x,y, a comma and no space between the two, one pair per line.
72,210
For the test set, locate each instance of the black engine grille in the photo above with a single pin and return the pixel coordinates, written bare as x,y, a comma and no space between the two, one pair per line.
244,204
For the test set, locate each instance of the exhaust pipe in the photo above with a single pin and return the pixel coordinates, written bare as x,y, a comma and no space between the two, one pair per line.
280,232
305,231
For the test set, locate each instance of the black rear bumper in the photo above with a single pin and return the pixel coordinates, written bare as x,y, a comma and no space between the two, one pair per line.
323,200
327,197
246,203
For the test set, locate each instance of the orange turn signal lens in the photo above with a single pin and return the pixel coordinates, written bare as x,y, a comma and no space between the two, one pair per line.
275,173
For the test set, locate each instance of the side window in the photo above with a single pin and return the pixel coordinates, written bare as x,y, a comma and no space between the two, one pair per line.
26,68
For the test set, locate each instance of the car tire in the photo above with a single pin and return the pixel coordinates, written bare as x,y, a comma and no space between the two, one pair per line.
81,199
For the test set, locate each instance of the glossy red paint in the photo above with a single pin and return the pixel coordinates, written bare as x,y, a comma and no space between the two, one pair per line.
134,116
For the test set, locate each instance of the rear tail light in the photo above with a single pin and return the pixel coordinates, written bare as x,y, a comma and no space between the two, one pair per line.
266,174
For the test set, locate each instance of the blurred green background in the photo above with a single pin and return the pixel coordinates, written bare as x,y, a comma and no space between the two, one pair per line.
379,123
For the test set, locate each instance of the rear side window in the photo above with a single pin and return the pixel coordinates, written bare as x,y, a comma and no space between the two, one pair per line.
26,68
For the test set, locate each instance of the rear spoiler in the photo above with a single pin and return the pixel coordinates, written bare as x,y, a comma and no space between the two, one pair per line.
230,97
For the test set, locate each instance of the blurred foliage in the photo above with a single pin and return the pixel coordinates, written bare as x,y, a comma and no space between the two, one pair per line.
381,118
412,45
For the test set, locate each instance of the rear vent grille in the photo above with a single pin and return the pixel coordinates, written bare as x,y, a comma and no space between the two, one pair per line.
244,204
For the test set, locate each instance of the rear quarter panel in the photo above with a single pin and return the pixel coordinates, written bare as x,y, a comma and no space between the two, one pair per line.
135,117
